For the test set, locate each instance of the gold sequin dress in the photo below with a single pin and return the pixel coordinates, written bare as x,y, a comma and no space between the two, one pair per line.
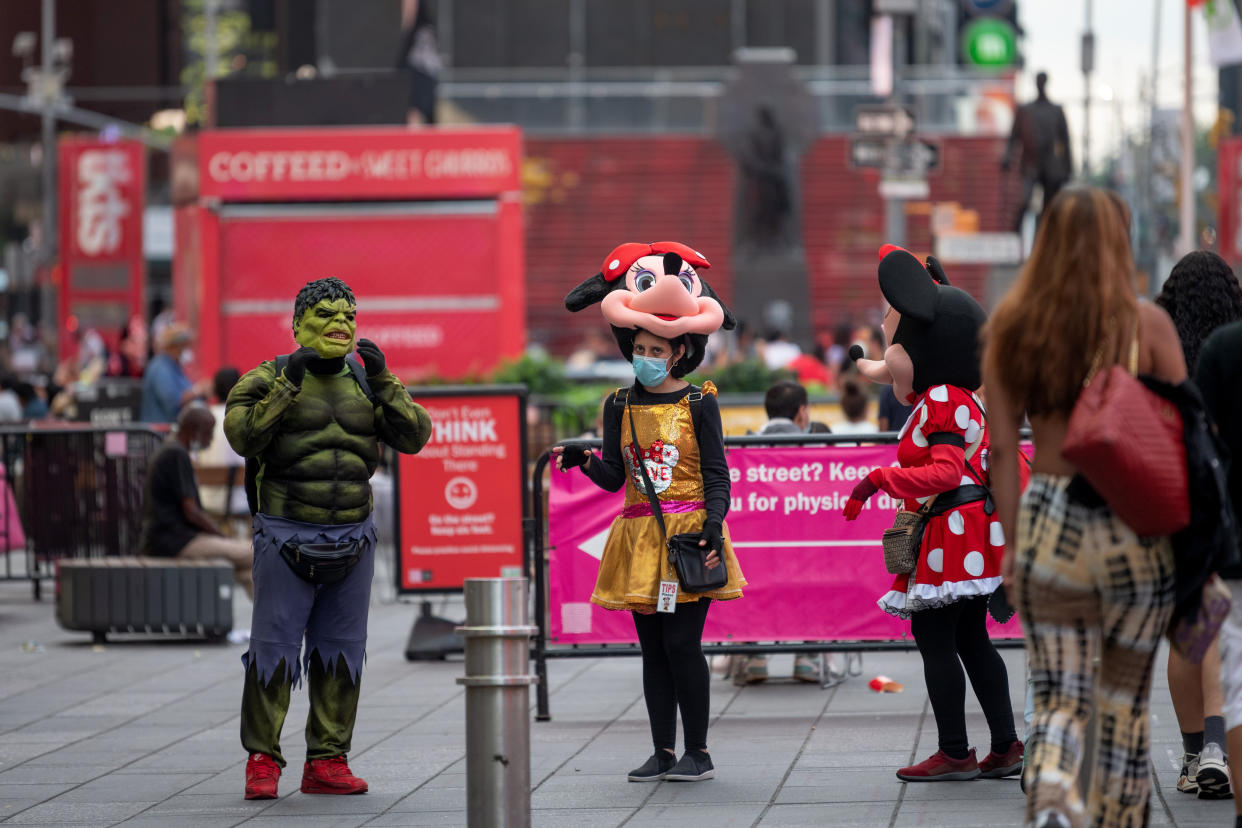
635,559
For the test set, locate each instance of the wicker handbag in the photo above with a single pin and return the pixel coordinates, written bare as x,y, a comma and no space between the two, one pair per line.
901,542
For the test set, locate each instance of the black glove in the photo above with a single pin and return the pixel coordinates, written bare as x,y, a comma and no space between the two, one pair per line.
295,370
711,533
574,455
372,357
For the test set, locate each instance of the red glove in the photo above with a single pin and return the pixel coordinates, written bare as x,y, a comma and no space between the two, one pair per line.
866,487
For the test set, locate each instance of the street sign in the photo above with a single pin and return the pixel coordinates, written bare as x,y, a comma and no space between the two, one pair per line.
904,188
868,151
896,7
987,6
896,121
979,248
914,156
990,43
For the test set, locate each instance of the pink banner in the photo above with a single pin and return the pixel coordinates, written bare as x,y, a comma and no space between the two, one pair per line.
812,575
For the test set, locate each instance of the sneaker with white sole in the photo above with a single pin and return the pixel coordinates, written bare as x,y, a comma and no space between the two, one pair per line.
693,766
806,668
1186,779
1212,776
654,769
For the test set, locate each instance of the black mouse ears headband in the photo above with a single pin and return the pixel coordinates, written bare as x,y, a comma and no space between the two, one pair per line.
908,286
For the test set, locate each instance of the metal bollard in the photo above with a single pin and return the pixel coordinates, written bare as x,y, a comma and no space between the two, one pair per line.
497,683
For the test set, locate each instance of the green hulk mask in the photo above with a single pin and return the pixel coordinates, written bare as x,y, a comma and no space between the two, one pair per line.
323,318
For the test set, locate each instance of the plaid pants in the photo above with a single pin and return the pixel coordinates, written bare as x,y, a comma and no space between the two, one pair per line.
1086,586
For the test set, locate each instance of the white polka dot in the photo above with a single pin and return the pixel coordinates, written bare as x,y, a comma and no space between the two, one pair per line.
918,438
614,264
700,255
957,524
972,432
935,560
974,563
966,481
983,459
996,534
962,416
940,393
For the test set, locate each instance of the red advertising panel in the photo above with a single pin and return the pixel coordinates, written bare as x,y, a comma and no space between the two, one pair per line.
428,292
1229,181
433,250
358,163
813,576
102,189
461,498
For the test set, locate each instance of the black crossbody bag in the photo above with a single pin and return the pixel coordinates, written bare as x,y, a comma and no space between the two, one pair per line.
689,560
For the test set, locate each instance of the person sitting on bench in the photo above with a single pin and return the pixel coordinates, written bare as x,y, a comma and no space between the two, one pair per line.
174,524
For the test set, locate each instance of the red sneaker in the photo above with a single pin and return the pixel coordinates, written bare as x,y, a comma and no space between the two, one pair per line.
330,776
262,776
941,768
1000,765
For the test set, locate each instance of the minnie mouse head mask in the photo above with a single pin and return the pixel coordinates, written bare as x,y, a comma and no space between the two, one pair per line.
655,287
932,329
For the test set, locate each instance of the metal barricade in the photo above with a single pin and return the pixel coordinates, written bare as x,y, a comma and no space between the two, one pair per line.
539,569
497,683
78,491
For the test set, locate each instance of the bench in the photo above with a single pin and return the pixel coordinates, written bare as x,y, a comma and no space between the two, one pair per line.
145,595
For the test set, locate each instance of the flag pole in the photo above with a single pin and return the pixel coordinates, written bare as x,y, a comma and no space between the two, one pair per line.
1186,238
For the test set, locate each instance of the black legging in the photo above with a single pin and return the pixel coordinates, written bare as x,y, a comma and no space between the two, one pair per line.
675,674
944,635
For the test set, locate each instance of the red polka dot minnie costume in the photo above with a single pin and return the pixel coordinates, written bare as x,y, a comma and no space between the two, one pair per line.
932,362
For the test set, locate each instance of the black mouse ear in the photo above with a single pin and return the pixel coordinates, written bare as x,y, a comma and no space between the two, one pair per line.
907,286
588,293
936,271
730,321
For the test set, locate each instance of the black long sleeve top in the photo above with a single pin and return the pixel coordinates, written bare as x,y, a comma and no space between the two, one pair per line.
609,472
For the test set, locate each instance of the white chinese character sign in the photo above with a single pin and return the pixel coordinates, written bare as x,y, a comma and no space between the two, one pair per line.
102,191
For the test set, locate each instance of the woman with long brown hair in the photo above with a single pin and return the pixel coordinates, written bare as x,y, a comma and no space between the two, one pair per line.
1084,584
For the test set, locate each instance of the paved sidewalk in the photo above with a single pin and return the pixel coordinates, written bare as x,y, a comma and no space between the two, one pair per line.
145,733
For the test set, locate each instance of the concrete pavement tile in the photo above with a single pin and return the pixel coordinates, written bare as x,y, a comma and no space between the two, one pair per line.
433,799
845,814
579,817
425,819
52,773
310,821
738,789
975,790
719,816
878,762
78,813
9,807
587,795
299,804
858,792
154,787
210,804
183,821
41,791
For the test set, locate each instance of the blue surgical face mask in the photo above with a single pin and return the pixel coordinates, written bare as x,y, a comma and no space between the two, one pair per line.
651,371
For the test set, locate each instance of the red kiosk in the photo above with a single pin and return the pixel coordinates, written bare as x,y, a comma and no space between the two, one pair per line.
425,225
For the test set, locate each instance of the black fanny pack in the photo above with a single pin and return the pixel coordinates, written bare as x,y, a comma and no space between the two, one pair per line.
322,563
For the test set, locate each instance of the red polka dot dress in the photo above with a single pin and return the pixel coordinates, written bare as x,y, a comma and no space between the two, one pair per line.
944,445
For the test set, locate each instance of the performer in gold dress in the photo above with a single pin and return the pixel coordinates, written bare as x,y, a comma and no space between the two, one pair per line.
661,313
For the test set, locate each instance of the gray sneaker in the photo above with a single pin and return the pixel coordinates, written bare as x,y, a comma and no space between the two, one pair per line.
693,766
1212,776
1190,768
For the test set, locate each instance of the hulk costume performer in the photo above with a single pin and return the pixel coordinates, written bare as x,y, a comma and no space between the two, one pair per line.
316,434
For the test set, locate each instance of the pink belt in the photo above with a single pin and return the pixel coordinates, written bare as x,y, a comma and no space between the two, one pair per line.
669,507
